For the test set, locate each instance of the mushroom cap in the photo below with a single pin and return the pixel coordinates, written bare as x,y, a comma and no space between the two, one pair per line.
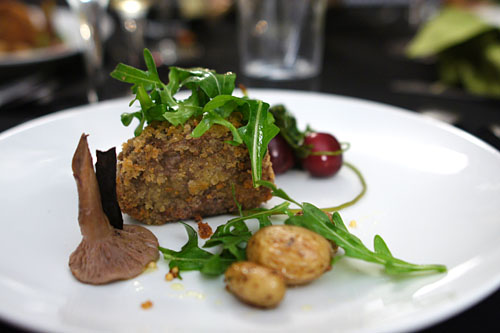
121,256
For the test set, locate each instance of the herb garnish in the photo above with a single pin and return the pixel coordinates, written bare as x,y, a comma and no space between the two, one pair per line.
234,235
210,100
295,137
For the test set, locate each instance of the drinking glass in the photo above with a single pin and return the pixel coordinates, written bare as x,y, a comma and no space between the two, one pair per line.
90,13
281,39
132,15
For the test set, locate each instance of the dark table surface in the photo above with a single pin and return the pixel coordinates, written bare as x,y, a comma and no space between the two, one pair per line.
363,58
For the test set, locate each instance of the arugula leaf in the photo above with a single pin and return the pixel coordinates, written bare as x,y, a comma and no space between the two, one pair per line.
233,236
203,83
191,257
232,240
277,192
210,118
288,124
235,233
264,221
316,220
380,246
211,83
217,110
289,130
210,99
135,76
216,265
183,113
257,134
236,202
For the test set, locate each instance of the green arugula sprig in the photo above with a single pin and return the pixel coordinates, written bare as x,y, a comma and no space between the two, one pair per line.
230,237
334,229
210,99
233,236
287,124
191,257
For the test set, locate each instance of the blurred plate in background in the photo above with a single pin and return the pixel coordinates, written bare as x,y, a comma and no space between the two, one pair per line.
67,28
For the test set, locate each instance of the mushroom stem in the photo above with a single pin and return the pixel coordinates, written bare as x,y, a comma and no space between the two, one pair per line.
105,254
93,221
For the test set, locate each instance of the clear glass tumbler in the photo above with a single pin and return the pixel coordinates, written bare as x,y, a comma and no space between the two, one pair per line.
281,39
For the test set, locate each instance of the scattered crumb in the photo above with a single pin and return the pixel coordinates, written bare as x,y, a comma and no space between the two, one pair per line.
151,267
147,305
306,307
353,224
204,230
177,286
172,274
195,295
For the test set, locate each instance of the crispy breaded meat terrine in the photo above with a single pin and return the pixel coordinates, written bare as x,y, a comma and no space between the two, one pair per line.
166,175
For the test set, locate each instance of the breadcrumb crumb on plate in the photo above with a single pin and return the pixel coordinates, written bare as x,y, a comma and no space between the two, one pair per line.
147,305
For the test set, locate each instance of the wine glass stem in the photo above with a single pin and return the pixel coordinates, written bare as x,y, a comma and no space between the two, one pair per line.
90,15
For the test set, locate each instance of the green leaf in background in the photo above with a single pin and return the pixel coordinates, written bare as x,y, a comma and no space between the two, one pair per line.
493,54
466,47
452,26
473,65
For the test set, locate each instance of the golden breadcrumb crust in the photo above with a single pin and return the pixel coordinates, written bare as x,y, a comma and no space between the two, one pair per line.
166,175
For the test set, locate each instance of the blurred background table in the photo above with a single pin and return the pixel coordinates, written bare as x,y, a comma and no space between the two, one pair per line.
363,58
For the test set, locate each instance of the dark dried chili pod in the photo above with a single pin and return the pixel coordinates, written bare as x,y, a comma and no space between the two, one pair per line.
106,177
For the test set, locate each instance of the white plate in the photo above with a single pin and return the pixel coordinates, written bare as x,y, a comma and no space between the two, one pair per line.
433,194
67,28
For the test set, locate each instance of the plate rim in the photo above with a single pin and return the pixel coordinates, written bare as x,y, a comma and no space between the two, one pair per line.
447,313
54,116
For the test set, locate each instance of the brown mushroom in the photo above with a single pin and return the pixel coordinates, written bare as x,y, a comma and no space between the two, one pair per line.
105,254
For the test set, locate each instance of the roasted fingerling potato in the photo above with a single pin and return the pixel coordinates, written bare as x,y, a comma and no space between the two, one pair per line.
300,255
255,284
